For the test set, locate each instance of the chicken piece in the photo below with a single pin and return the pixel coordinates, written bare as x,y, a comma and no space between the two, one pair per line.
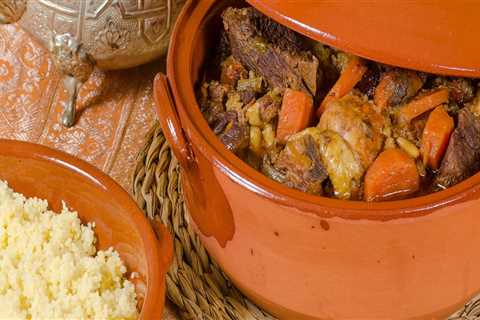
356,121
396,87
300,160
342,164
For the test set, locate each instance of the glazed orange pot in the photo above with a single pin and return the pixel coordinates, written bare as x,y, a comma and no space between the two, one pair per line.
308,257
38,171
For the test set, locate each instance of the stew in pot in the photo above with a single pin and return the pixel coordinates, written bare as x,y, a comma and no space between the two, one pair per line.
329,123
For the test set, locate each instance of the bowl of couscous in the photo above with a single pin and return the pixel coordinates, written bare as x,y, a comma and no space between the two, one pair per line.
73,243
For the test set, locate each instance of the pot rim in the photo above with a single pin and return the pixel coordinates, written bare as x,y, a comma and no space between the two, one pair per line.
180,60
156,269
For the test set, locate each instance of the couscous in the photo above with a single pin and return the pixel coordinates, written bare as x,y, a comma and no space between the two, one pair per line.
50,269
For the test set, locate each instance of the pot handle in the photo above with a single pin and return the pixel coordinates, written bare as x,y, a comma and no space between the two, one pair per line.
169,121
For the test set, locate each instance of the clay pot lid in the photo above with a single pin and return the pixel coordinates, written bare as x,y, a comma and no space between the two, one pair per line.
440,37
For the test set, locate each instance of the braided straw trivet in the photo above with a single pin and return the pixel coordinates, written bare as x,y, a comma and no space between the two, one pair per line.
195,284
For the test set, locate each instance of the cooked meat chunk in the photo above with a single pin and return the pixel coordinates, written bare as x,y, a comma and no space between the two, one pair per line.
269,106
213,99
412,131
370,80
270,171
344,168
212,111
277,34
236,136
232,71
329,74
223,48
461,90
222,120
249,88
397,87
355,120
306,65
217,92
301,162
462,158
247,96
279,67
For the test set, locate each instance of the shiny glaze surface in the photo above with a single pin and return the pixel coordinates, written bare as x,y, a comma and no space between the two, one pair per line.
37,171
309,257
437,38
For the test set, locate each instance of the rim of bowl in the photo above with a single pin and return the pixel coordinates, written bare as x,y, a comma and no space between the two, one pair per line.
154,275
180,59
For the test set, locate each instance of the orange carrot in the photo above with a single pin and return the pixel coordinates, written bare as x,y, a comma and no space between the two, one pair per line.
393,175
295,114
350,76
424,104
436,136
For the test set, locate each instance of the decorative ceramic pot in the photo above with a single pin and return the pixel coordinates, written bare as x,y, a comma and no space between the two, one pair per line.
308,257
111,34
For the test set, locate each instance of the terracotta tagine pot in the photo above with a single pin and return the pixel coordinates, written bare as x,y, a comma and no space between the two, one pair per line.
107,34
307,257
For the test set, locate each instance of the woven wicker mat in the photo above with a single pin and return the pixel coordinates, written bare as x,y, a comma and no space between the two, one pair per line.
195,284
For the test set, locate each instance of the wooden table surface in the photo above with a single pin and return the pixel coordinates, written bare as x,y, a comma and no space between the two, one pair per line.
115,109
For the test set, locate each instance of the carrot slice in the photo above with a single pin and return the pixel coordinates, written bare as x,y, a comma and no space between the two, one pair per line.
350,76
393,175
436,136
424,104
295,113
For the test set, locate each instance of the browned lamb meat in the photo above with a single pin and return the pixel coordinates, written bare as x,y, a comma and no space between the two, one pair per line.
397,86
462,158
370,80
279,35
279,67
461,90
269,106
412,131
232,71
213,97
236,136
301,162
222,120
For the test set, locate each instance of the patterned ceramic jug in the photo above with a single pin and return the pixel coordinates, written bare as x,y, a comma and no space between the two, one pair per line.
81,34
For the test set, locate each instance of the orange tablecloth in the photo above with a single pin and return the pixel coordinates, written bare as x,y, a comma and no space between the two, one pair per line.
115,109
